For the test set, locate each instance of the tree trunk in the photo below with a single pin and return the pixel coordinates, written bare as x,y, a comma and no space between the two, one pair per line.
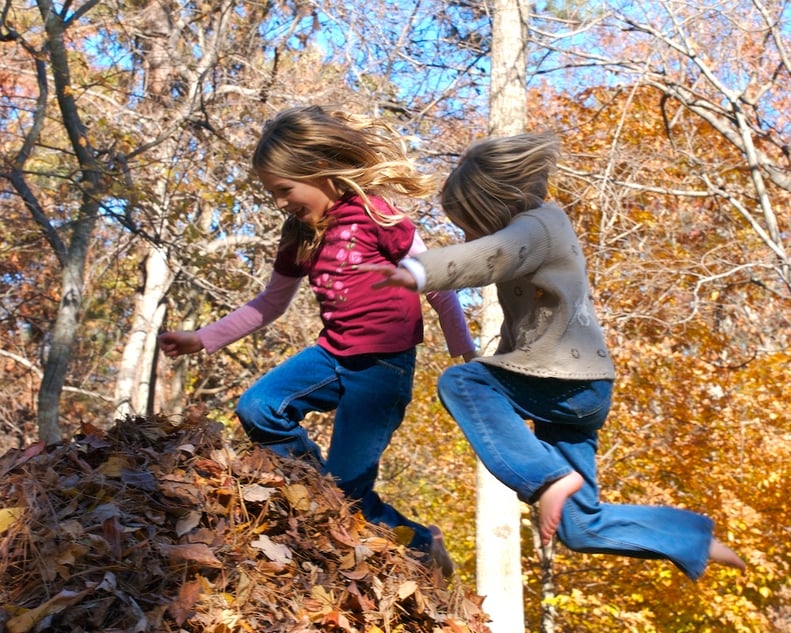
74,258
499,512
59,355
133,387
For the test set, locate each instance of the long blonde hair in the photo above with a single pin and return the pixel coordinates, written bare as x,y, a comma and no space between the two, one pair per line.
497,178
358,154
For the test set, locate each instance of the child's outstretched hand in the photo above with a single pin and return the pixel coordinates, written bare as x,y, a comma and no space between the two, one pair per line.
177,343
392,276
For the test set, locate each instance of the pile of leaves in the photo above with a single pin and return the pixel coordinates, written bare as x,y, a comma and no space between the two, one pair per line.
158,526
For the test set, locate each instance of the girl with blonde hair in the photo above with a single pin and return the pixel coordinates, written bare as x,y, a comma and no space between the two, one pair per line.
337,176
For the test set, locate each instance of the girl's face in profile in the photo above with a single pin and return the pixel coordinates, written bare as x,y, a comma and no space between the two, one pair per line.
308,200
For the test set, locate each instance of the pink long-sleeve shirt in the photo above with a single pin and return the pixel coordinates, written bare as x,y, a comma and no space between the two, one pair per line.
355,318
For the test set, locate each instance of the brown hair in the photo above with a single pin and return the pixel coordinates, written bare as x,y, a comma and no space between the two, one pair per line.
497,178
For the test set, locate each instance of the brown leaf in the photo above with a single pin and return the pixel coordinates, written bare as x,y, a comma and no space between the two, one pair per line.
142,479
298,497
29,453
196,552
188,522
29,619
360,572
112,530
188,595
209,466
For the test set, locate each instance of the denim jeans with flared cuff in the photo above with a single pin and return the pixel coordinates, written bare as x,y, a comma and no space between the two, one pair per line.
491,406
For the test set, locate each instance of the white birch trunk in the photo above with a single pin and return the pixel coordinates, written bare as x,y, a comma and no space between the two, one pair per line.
499,557
133,386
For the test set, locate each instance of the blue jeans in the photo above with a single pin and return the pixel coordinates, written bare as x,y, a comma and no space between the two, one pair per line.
369,394
491,404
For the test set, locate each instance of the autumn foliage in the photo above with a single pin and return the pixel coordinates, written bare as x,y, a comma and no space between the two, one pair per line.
675,130
154,526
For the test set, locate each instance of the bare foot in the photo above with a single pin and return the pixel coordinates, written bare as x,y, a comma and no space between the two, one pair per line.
724,555
551,501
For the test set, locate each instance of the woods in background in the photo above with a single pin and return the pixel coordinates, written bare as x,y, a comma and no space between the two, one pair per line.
128,208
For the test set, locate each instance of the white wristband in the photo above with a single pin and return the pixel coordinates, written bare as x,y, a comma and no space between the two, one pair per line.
416,269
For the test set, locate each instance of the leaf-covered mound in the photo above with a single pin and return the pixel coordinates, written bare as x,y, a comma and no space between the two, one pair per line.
156,526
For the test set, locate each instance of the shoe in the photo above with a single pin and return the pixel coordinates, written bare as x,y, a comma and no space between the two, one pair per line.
439,555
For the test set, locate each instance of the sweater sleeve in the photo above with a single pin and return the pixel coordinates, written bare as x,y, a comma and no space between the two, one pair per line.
255,314
518,249
448,309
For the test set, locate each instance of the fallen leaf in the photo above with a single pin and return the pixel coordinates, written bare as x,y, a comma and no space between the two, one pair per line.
188,522
142,479
114,465
29,619
9,516
406,589
358,573
181,607
196,552
275,552
111,531
256,493
29,453
298,497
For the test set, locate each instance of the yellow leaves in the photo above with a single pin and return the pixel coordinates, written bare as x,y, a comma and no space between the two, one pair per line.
9,516
637,597
324,599
321,607
772,478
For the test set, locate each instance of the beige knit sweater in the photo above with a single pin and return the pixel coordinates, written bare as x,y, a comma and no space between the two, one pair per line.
549,327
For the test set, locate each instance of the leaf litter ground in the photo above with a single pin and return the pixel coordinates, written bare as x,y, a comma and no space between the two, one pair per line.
162,526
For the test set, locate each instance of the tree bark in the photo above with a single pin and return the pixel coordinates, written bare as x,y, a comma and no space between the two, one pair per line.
74,258
499,575
133,386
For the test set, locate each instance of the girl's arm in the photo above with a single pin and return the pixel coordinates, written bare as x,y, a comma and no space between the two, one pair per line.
255,314
451,316
519,249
